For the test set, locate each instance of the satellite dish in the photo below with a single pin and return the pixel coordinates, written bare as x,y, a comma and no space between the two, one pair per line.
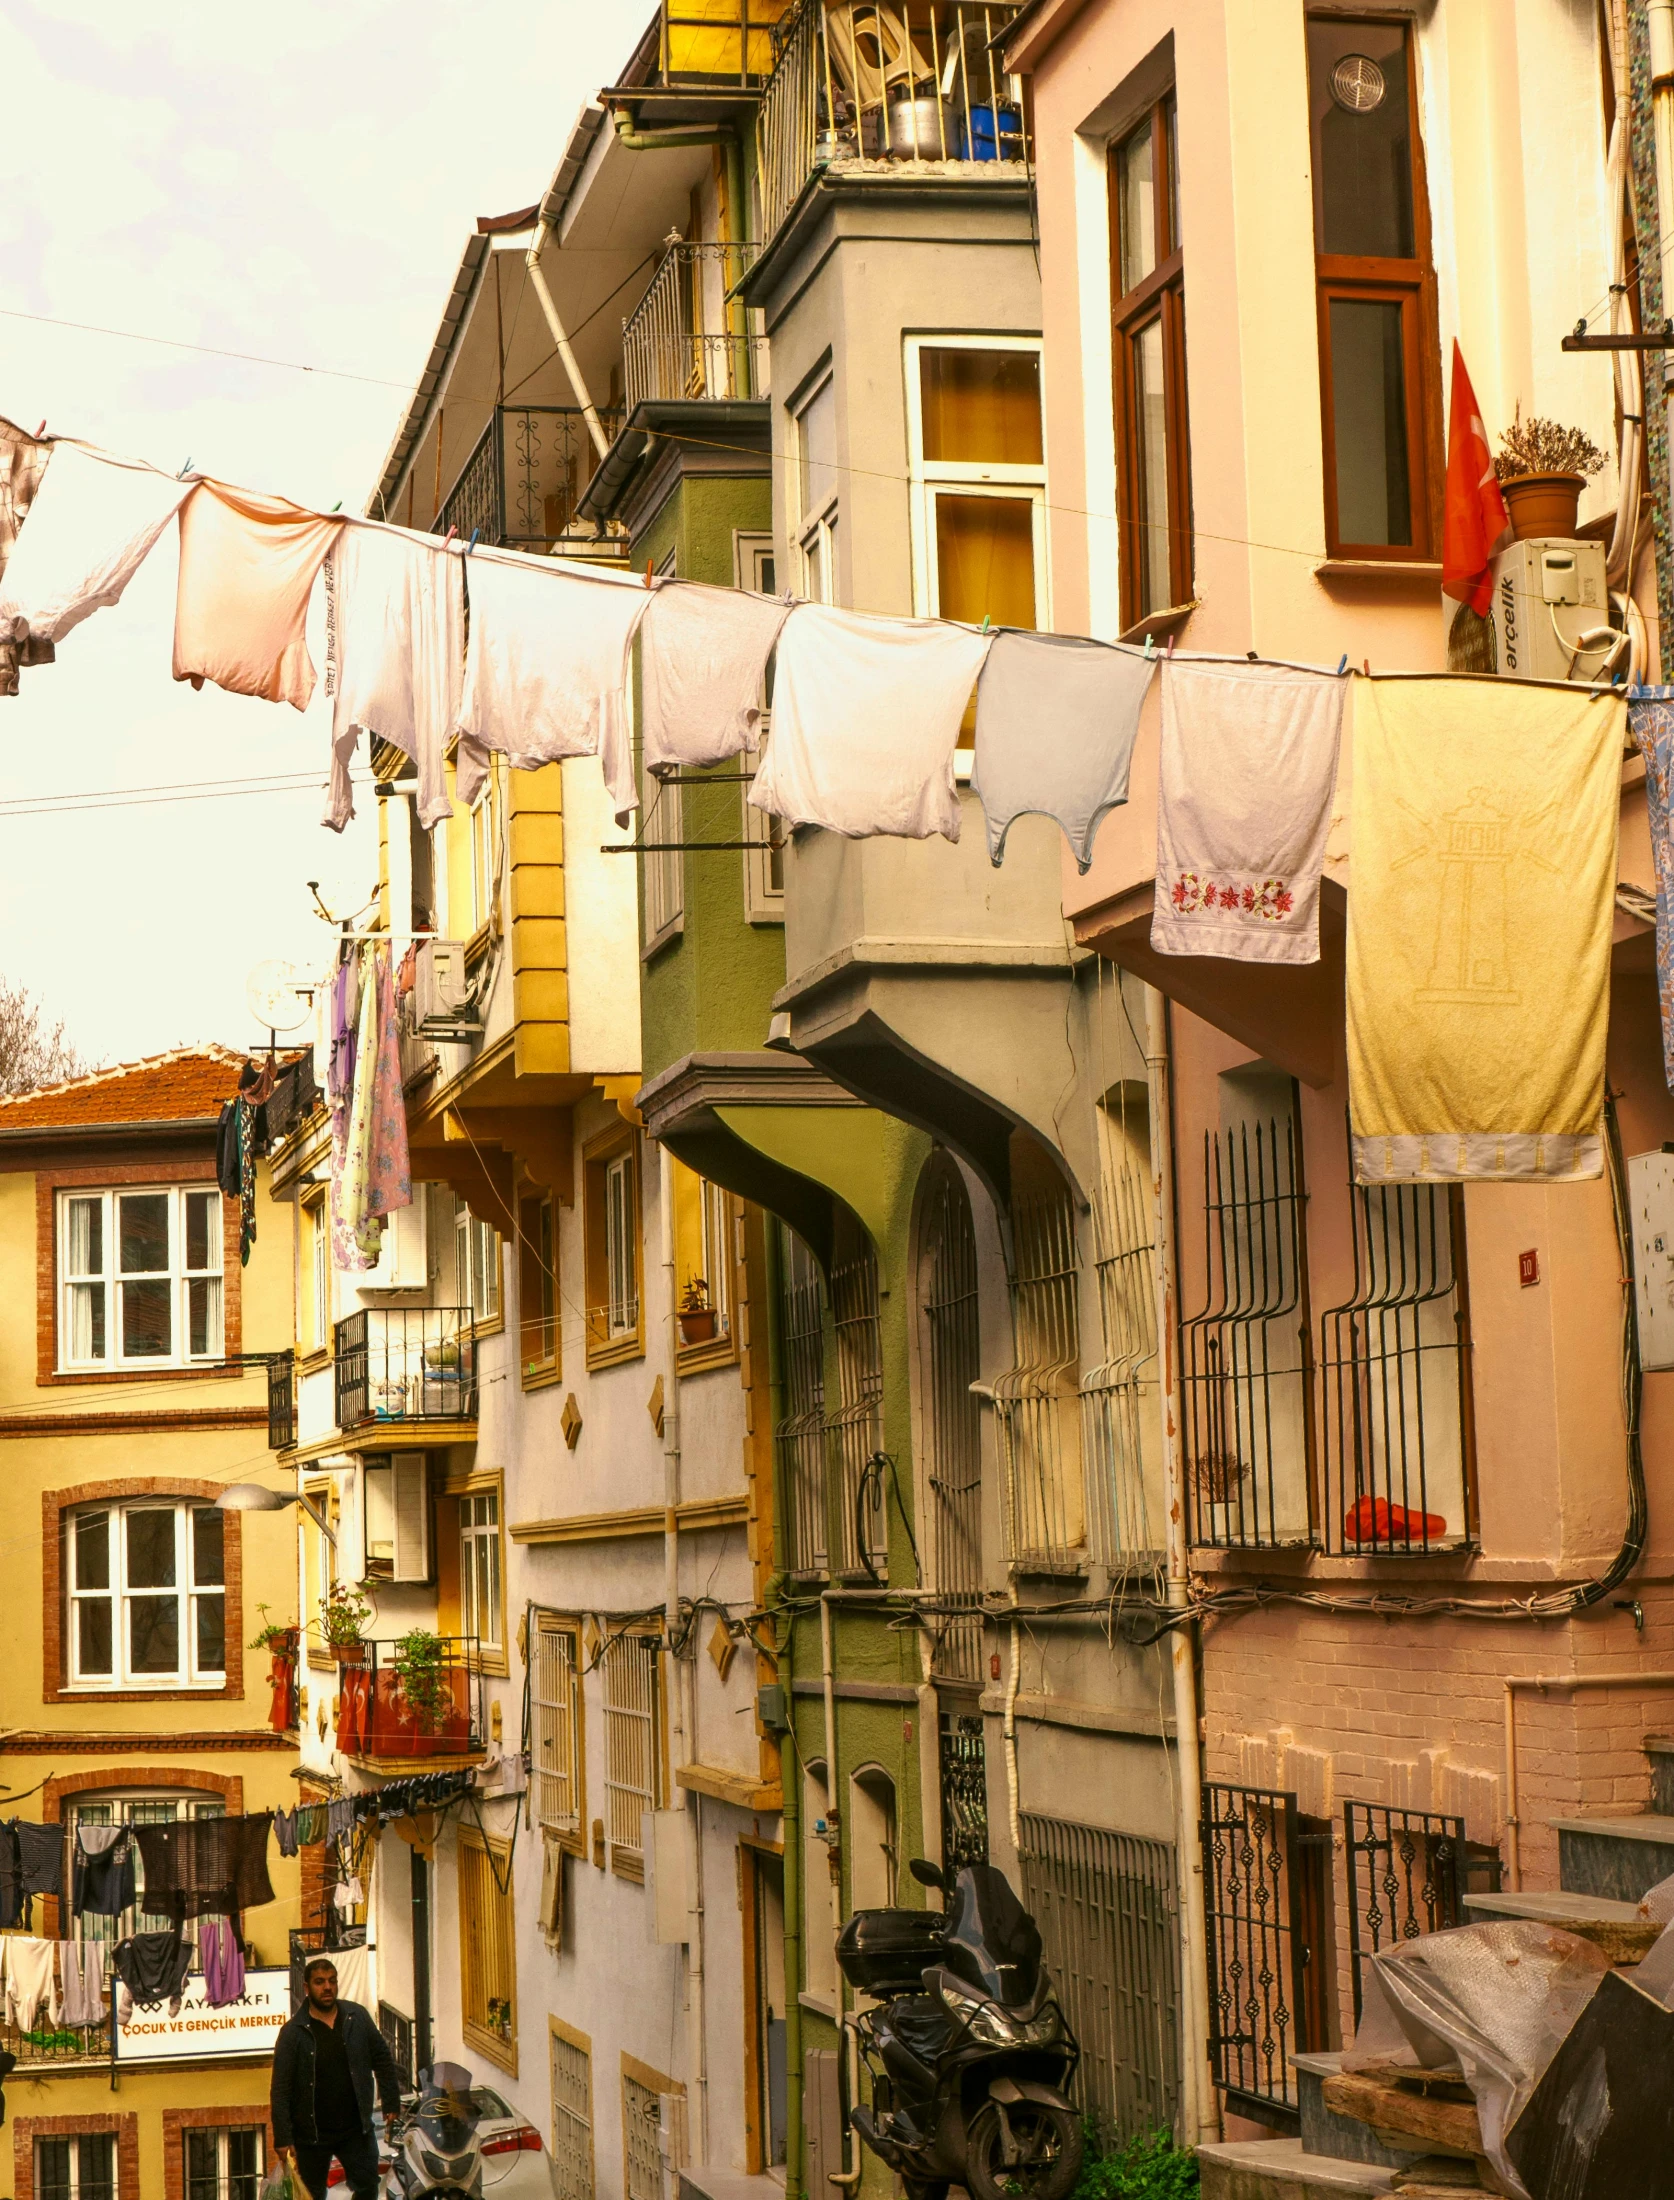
274,992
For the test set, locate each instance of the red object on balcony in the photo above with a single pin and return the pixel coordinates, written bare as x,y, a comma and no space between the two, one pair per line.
1376,1520
353,1694
394,1729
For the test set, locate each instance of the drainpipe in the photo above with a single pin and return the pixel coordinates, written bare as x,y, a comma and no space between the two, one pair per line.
848,2178
1199,2104
1008,1735
790,1780
683,1693
549,306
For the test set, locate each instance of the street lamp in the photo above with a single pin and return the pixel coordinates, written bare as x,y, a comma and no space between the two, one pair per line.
255,1497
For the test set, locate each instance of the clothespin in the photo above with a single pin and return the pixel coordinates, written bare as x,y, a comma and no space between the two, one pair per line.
185,470
1342,664
1366,666
1150,648
448,537
40,431
648,572
338,506
985,622
1251,655
471,545
1171,645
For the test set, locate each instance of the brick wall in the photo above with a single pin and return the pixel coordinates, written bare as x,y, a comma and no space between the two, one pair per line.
27,2129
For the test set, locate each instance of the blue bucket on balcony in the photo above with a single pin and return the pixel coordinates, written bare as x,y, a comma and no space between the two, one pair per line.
991,140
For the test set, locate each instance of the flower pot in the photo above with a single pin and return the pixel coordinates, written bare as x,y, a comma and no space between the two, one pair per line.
1543,506
349,1653
698,1326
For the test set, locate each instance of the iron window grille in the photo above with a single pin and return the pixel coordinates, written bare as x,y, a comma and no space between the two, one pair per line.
854,1431
1037,1401
572,2119
403,1363
1246,1375
952,1362
398,2037
1406,1876
964,1790
1395,1367
281,1402
1255,1943
1121,1423
1107,1907
799,1436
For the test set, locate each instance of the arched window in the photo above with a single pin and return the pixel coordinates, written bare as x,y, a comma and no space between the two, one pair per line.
1036,1401
873,1845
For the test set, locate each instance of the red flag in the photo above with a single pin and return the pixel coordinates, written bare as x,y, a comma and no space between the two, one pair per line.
1474,517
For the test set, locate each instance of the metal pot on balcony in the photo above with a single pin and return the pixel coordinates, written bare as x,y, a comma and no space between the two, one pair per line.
919,126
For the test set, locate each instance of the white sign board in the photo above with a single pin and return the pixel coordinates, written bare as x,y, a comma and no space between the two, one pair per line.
248,2026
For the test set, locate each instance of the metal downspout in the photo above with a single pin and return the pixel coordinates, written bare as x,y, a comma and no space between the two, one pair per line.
549,306
790,1780
1200,2111
850,2177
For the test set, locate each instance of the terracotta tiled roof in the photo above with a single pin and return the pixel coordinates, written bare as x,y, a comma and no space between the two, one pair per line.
184,1085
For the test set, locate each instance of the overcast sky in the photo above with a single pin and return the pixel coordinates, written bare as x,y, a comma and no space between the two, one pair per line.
296,182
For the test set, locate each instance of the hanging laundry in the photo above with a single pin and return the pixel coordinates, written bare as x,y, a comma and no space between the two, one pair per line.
284,1831
345,1019
356,1235
23,460
866,714
1482,875
376,1175
395,656
94,521
31,1981
152,1969
1651,721
247,567
340,1817
354,1974
81,1972
1249,761
221,1960
102,1878
348,1895
702,668
40,1857
198,1864
1055,727
547,663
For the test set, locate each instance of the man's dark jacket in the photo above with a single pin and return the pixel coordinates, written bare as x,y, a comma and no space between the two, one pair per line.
370,2062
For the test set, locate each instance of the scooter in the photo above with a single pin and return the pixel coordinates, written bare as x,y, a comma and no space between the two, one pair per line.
968,2050
433,2142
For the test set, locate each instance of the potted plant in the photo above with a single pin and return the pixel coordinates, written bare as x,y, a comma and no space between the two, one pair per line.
1543,468
697,1316
422,1679
343,1617
274,1636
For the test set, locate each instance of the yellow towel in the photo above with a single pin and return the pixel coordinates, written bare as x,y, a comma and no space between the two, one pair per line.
1482,877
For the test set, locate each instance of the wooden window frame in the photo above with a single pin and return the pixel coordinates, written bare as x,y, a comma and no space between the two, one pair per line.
1412,285
1159,296
603,1350
491,1657
722,1350
499,2049
752,1848
572,1839
626,1861
539,1369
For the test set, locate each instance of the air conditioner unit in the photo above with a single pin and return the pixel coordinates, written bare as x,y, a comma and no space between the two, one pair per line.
442,999
1551,611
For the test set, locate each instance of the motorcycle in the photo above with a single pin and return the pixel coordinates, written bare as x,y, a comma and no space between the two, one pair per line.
433,2142
967,2048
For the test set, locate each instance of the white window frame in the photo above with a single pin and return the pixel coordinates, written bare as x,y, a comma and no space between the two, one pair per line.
719,1251
476,1249
927,478
220,2137
318,1212
816,522
556,1722
481,1592
484,866
621,1230
107,1281
120,1596
75,2141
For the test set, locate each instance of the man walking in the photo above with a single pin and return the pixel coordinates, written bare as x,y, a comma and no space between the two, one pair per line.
325,2064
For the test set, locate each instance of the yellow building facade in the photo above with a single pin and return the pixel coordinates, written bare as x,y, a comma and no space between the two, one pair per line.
130,1690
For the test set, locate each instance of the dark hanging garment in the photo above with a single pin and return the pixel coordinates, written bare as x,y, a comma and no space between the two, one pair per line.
227,1169
11,1877
153,1967
102,1873
199,1865
41,1857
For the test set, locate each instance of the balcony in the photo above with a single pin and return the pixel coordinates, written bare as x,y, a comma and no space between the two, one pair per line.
406,1363
705,42
689,337
393,1714
520,487
869,86
49,2047
281,1402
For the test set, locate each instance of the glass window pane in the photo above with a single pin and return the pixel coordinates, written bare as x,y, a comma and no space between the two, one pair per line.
244,2164
147,1330
92,1547
985,559
208,1546
52,2169
211,1632
153,1634
203,1317
150,1534
1150,405
143,1233
202,2166
1369,420
1136,207
981,407
1363,184
816,449
85,1251
93,1638
202,1238
84,1321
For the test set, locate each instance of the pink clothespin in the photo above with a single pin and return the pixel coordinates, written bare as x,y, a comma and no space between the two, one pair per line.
40,431
448,537
1170,650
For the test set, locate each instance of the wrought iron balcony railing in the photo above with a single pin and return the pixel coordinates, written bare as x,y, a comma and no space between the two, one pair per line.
524,478
419,1698
281,1402
406,1363
689,337
867,84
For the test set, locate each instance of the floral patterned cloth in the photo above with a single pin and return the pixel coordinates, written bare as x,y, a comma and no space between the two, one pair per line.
370,1171
1651,721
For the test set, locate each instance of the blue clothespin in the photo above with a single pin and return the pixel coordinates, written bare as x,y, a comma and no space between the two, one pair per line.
1342,664
184,471
471,545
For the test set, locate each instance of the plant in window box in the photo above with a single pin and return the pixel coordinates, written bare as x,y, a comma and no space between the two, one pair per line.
1543,468
276,1637
422,1679
343,1617
697,1315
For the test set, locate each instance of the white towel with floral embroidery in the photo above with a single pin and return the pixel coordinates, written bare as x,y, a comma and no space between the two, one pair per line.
1249,761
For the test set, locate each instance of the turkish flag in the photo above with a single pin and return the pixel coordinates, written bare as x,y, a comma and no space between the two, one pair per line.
1474,518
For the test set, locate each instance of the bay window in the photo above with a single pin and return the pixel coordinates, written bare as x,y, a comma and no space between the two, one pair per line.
1379,363
815,423
1153,462
147,1596
979,478
140,1277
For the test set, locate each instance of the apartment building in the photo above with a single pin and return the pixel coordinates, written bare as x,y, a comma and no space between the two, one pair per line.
135,1693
